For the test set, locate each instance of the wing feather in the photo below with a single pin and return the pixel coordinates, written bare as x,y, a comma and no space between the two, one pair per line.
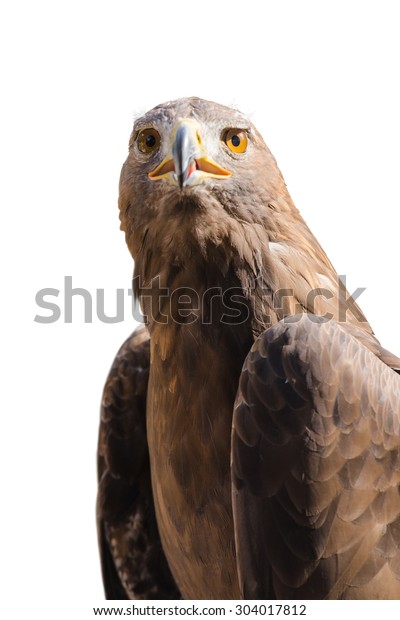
316,465
133,562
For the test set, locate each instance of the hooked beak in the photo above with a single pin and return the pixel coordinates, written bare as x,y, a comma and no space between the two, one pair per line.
186,163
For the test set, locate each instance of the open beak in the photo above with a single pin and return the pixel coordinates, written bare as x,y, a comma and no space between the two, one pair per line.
187,163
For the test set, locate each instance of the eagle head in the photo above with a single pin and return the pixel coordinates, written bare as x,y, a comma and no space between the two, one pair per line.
196,173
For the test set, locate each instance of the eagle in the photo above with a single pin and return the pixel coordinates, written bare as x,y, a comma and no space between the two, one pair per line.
250,429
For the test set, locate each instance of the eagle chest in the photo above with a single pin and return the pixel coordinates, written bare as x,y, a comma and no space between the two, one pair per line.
189,417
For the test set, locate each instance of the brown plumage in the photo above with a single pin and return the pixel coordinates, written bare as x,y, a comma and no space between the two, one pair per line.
250,434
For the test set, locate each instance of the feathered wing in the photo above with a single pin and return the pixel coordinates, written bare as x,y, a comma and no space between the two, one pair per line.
133,562
316,466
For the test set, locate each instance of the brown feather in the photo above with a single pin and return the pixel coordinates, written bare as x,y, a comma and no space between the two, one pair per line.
313,466
352,481
133,562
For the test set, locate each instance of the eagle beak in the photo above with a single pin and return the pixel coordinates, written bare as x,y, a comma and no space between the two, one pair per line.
187,164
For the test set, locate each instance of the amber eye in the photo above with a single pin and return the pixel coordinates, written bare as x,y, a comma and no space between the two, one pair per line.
236,140
148,140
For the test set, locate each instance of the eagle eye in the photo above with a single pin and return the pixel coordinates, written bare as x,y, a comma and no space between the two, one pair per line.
236,140
148,140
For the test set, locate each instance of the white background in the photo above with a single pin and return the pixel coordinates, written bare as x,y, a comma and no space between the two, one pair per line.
321,82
